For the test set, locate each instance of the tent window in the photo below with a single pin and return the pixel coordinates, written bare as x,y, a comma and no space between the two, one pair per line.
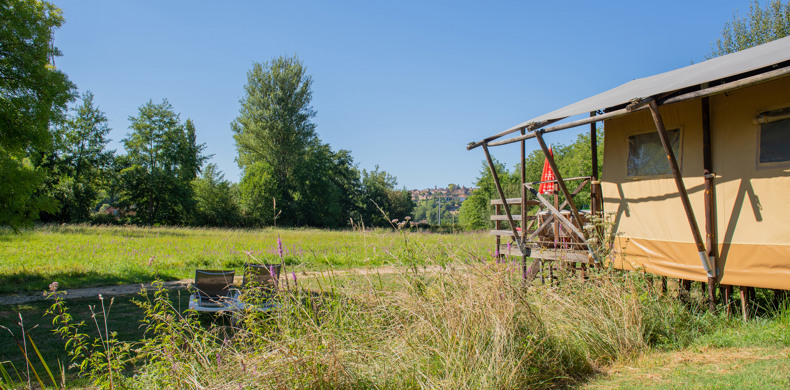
775,142
646,155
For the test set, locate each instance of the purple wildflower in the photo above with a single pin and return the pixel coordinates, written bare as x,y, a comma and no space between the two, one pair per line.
293,274
271,272
279,246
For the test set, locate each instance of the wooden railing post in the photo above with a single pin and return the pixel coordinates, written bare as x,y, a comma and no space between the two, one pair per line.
684,197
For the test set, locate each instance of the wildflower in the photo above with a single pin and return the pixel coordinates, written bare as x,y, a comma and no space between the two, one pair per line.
271,272
53,286
293,274
279,246
151,261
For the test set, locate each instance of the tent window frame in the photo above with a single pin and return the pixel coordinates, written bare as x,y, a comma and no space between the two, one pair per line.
678,153
769,118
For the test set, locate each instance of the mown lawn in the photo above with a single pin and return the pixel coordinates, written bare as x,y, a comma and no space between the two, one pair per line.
740,355
83,256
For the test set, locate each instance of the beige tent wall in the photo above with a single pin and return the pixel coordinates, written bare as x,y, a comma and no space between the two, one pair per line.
752,203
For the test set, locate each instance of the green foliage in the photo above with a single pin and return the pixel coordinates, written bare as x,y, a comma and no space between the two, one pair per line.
273,131
79,164
381,202
760,26
290,177
33,96
163,158
215,203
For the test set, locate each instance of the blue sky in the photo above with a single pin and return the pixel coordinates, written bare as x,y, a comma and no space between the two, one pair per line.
402,85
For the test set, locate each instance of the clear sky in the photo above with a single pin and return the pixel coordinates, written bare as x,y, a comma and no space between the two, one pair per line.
401,84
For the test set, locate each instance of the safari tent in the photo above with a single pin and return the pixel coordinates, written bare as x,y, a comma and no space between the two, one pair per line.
696,173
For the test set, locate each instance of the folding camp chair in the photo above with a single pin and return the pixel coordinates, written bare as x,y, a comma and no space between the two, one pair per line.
213,292
259,285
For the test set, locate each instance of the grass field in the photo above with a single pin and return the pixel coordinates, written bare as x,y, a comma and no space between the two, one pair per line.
464,323
83,256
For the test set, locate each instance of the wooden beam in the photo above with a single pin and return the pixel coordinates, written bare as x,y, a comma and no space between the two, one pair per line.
563,126
561,183
595,188
684,196
746,293
549,220
710,221
502,196
556,213
528,127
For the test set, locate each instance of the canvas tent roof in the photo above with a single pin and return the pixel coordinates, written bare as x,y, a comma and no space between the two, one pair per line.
714,69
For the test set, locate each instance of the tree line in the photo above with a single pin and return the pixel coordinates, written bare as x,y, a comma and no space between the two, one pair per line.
56,166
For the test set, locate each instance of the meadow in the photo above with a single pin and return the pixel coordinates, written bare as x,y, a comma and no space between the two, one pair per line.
452,317
83,256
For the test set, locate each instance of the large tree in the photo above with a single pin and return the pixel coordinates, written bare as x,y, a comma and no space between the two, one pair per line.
164,158
273,131
33,95
78,172
760,26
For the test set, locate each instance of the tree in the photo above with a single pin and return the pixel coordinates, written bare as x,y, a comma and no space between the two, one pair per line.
378,194
82,161
760,26
215,205
164,158
273,128
33,95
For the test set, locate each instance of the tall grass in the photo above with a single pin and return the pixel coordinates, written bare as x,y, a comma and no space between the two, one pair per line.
467,326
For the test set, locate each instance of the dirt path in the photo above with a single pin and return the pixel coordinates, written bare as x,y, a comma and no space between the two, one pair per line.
127,289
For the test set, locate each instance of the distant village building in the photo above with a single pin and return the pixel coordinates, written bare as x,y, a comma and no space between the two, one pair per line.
457,194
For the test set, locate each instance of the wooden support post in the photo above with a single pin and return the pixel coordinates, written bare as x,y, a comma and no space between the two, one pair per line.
523,237
558,178
684,197
556,221
595,186
745,295
498,226
710,214
684,290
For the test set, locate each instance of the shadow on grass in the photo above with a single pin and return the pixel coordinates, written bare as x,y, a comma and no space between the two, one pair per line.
26,282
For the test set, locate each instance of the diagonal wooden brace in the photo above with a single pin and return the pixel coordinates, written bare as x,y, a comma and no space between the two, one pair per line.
520,243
